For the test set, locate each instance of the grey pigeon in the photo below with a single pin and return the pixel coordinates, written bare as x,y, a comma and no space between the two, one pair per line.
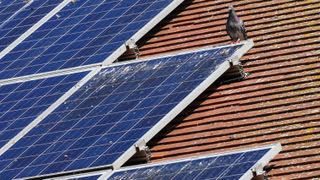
235,26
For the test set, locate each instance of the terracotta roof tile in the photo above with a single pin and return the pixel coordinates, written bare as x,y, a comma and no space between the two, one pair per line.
278,101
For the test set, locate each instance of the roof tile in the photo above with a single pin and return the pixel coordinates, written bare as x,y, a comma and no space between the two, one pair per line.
278,101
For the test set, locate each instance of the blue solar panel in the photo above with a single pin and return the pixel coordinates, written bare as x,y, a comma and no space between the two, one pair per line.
110,113
229,166
23,16
82,33
21,103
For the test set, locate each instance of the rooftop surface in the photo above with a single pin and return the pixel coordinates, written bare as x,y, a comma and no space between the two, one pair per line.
277,102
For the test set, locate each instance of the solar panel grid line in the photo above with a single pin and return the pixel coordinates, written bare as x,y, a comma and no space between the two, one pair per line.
189,169
51,108
13,15
104,81
8,10
32,29
101,55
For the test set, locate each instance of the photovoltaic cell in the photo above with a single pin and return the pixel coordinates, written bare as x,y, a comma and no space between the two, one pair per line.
104,118
8,8
82,33
229,166
19,17
21,103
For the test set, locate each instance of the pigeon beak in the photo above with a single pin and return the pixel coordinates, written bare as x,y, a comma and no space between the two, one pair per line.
230,7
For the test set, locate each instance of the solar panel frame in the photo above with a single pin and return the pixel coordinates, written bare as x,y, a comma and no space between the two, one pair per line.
258,166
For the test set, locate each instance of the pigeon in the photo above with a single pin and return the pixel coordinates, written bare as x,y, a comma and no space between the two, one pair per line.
235,27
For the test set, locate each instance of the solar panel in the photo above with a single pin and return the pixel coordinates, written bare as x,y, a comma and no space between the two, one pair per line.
100,123
18,16
234,165
21,103
84,33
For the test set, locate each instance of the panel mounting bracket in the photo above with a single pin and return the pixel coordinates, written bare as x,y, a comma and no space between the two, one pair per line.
259,173
235,60
143,150
133,47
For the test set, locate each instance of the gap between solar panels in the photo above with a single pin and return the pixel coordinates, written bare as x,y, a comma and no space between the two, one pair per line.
96,39
97,116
